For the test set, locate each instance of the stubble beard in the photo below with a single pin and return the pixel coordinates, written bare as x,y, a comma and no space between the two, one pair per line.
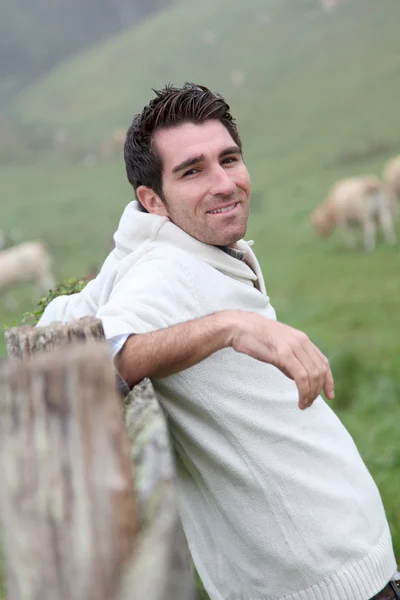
213,236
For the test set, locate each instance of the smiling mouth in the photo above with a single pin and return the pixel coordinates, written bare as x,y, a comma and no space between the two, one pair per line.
223,210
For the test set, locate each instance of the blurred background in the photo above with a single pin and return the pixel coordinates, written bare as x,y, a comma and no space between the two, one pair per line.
315,88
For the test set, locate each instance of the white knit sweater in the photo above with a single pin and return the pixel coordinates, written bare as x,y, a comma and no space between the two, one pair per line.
276,503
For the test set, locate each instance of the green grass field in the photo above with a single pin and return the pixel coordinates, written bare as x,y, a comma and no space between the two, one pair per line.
320,102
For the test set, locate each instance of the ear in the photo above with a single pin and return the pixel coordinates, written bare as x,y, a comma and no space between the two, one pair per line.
151,201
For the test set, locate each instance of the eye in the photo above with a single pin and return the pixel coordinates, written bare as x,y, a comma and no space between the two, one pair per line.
190,172
229,160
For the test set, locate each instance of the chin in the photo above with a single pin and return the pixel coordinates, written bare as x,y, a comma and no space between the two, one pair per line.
229,240
221,236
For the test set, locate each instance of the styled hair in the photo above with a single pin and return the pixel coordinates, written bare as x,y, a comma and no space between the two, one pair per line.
171,106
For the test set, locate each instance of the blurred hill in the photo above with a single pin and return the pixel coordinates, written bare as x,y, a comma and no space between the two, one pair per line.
35,35
302,82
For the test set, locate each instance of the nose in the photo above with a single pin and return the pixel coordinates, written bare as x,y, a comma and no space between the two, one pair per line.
222,184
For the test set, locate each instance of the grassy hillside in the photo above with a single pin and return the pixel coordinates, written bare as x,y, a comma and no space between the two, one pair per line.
303,68
319,102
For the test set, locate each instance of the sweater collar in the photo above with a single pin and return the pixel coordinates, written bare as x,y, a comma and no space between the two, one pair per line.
137,228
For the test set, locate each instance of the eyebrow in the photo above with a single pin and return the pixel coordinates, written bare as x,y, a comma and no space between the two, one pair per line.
231,150
189,162
193,160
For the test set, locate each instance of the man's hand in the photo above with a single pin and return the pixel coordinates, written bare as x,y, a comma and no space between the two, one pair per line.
286,348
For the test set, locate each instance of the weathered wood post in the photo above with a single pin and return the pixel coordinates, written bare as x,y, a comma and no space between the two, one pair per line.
160,566
69,518
23,342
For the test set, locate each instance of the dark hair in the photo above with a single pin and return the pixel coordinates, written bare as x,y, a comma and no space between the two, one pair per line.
172,106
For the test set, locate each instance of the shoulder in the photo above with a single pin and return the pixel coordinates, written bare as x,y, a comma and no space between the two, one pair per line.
157,286
157,256
155,266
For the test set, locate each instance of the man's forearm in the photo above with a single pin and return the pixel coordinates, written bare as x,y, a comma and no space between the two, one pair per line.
173,349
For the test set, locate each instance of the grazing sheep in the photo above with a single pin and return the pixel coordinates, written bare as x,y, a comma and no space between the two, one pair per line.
391,177
29,261
356,201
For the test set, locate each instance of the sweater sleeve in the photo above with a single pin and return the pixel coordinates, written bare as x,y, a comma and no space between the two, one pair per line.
155,293
56,310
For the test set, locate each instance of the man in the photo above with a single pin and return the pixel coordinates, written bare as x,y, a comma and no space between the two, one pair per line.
276,502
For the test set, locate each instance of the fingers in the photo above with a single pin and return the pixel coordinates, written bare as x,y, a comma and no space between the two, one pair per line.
328,383
305,386
316,367
314,374
294,369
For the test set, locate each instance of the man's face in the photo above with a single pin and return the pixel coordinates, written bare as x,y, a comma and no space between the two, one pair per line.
203,172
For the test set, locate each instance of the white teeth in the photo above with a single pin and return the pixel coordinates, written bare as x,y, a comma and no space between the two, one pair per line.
220,210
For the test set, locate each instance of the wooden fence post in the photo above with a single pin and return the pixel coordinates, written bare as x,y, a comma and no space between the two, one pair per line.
23,342
69,518
160,568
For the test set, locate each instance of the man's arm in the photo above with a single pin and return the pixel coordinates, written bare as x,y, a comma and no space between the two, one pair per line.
173,349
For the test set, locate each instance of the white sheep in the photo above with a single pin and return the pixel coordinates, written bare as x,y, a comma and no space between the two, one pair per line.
391,177
356,201
29,261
